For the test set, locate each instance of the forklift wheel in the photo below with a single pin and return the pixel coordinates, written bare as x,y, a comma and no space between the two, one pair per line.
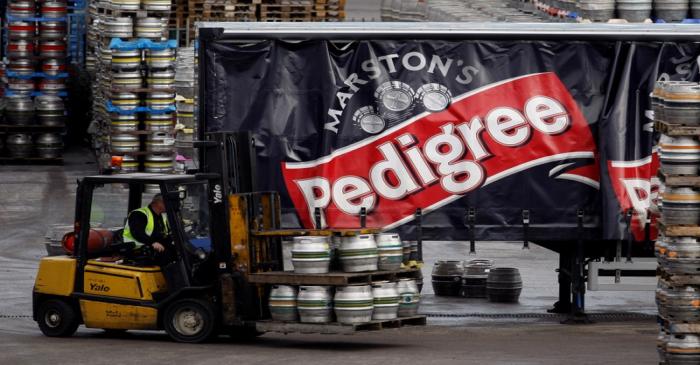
57,318
189,320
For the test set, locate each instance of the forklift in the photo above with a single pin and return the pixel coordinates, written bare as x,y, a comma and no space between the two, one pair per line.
223,235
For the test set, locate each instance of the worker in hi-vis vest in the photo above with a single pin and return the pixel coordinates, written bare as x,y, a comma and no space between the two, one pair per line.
148,226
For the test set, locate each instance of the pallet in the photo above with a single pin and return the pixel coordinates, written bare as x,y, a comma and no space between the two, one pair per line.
671,129
678,230
679,180
337,328
332,278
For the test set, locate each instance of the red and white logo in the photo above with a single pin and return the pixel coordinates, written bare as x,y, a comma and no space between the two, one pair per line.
434,158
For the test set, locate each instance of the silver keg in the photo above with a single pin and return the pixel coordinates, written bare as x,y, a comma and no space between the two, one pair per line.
120,123
682,256
19,145
21,8
151,28
54,9
125,4
125,100
283,303
315,304
52,86
120,27
311,254
159,122
353,304
52,29
597,10
123,60
160,142
682,304
164,58
127,79
671,10
160,100
681,205
50,110
19,110
53,66
634,10
130,164
386,300
683,349
21,66
359,253
681,102
157,5
124,143
49,145
161,78
20,86
160,163
20,48
679,155
52,48
409,300
390,251
21,29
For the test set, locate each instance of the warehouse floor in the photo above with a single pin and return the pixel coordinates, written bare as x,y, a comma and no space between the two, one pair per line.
464,330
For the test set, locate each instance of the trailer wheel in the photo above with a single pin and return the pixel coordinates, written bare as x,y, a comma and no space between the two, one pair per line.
189,320
57,318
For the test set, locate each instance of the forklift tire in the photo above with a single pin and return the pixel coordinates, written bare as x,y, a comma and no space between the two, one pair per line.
189,320
57,318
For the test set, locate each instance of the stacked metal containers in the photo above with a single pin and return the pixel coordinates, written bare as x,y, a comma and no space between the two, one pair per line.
35,68
186,128
676,107
133,96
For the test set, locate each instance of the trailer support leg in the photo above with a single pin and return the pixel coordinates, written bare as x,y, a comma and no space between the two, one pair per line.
577,315
564,278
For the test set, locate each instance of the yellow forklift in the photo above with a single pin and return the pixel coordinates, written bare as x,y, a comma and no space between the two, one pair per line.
227,241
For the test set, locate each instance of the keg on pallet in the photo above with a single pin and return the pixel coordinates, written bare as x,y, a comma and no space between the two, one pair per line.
389,250
120,27
54,9
130,164
129,79
160,142
409,297
386,300
315,304
447,277
679,155
50,110
20,48
683,349
474,279
163,58
126,4
21,66
19,110
151,28
634,10
49,145
125,59
671,10
19,145
597,10
125,100
157,5
682,304
21,8
21,29
353,304
359,253
20,86
161,79
681,102
160,100
52,29
504,285
681,205
682,255
124,143
159,163
53,66
311,254
283,303
123,122
159,122
52,48
52,86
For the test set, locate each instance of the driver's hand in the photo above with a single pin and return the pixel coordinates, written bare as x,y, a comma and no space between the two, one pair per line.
158,247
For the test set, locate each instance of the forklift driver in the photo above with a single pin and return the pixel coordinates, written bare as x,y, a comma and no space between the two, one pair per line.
146,228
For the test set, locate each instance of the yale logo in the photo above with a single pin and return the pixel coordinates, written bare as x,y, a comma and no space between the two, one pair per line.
218,195
99,287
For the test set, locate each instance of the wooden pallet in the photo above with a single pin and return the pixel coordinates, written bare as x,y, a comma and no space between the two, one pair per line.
679,180
678,230
337,328
332,278
671,129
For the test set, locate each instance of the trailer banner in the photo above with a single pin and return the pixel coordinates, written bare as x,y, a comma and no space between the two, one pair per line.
492,140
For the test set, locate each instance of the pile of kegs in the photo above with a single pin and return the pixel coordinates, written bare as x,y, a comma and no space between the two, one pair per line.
677,103
459,10
22,145
630,10
352,304
476,279
184,88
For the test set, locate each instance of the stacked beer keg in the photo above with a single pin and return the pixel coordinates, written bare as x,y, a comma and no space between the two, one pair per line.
132,64
184,88
676,106
36,72
350,304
